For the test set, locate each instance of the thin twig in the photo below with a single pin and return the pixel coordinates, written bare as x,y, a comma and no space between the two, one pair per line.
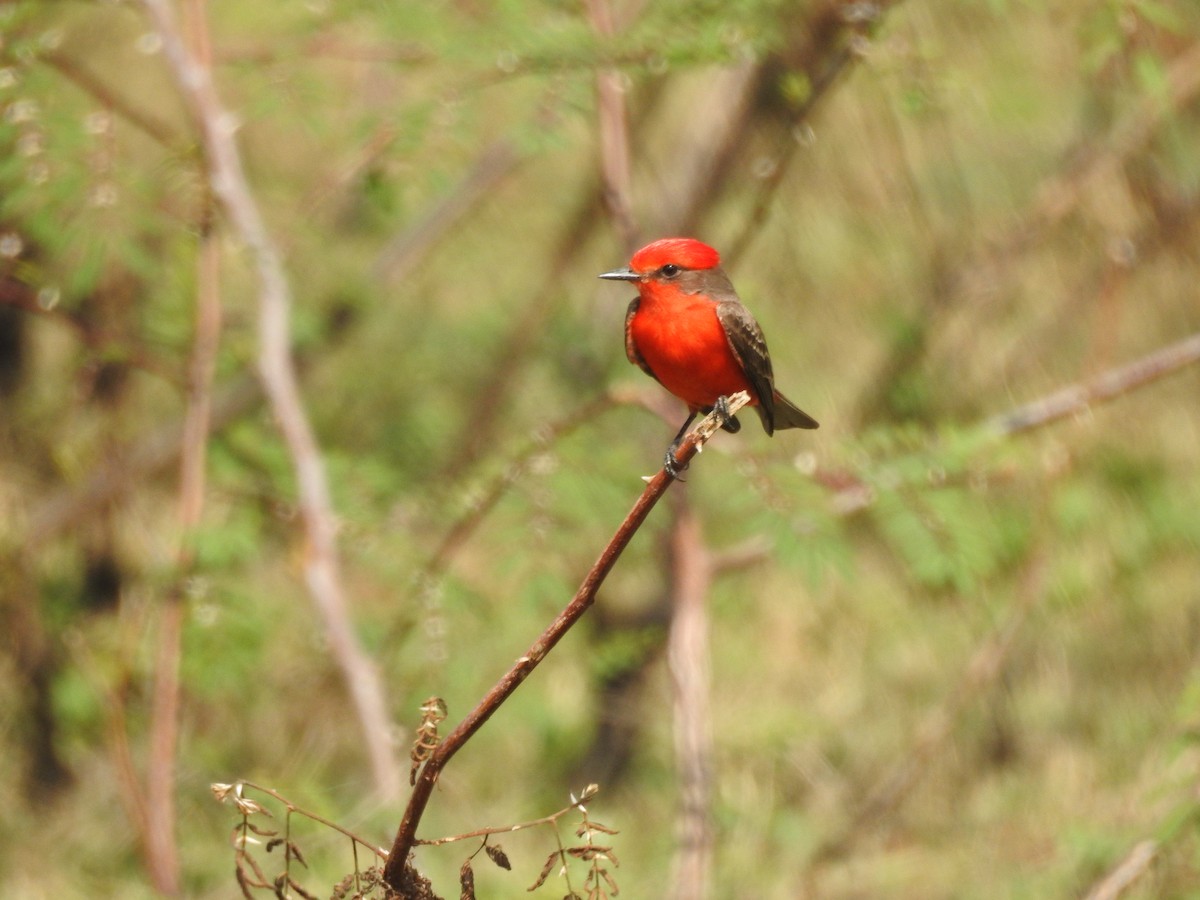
506,829
321,567
223,790
116,727
397,866
161,846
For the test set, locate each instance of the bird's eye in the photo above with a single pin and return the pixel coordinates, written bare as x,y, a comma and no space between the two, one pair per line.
670,270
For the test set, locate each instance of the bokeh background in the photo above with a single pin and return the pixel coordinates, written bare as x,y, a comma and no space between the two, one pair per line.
933,650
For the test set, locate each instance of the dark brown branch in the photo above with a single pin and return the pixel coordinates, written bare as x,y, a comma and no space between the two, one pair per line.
397,867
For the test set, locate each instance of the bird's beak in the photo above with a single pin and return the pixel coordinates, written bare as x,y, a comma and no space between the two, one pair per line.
625,274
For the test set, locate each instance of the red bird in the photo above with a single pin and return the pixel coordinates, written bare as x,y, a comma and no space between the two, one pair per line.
688,330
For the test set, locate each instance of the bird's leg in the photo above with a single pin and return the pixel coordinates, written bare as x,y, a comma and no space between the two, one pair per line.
670,463
728,420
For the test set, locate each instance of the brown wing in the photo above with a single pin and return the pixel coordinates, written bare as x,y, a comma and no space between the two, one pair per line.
631,349
750,347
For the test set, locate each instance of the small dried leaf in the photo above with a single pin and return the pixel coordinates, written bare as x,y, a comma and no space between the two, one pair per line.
546,869
220,790
294,853
248,807
466,881
608,879
588,853
273,843
262,832
434,709
243,884
281,886
298,890
498,856
596,826
258,872
342,889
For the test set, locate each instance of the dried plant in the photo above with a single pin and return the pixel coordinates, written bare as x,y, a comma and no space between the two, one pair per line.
433,712
255,829
598,883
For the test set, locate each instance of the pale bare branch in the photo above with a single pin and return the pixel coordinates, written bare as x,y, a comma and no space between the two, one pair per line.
1129,870
688,660
321,566
1106,386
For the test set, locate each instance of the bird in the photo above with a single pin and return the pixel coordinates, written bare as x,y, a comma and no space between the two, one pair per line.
689,331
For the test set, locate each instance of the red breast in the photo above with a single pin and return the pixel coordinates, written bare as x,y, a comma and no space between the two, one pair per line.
684,344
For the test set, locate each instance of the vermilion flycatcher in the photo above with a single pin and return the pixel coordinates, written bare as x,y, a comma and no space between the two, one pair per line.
688,330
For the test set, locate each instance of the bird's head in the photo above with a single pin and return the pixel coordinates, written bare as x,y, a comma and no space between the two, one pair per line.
667,260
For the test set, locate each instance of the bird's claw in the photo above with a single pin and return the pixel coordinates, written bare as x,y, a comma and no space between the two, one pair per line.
728,421
671,465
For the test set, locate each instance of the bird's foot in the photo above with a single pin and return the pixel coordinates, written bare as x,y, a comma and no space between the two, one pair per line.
671,465
728,420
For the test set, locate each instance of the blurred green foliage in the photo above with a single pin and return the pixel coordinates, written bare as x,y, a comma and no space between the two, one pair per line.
991,200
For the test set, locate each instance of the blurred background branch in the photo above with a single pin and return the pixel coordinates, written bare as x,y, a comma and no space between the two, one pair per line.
276,368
